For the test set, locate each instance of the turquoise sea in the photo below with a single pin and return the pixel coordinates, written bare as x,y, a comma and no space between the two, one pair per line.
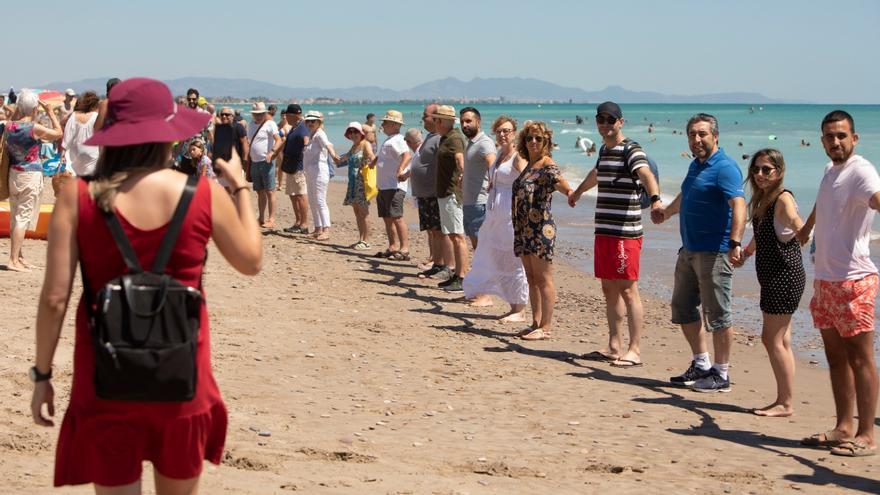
744,129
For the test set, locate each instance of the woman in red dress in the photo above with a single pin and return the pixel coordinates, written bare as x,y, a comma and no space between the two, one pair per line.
106,441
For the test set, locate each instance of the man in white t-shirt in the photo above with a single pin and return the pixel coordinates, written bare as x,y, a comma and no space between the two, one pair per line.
845,285
264,145
392,172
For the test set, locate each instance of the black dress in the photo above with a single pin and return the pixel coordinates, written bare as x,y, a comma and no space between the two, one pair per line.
779,266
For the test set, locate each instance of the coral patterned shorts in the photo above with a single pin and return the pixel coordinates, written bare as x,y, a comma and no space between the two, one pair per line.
846,306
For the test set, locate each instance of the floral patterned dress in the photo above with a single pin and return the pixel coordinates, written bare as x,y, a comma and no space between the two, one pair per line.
355,195
534,231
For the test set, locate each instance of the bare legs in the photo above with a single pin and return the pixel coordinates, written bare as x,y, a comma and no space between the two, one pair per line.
164,486
266,200
853,379
776,336
300,210
620,296
363,222
16,258
542,294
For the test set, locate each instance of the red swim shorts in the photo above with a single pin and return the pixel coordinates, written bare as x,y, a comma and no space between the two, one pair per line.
846,306
617,258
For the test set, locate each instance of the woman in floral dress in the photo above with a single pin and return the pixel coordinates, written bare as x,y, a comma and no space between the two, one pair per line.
534,232
359,156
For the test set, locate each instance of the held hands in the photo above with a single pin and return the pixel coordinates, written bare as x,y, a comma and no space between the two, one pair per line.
658,213
574,197
803,236
736,257
404,176
231,169
43,394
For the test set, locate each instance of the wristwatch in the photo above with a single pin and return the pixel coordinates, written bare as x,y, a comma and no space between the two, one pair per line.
656,198
734,244
36,376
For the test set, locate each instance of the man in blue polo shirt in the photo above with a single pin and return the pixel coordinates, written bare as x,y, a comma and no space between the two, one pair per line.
712,211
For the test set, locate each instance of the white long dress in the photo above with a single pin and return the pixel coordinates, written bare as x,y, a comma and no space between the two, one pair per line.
495,269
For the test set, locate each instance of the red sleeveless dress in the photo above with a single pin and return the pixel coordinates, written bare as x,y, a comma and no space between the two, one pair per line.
104,441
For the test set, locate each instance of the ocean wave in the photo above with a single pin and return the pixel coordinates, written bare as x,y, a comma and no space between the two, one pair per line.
577,130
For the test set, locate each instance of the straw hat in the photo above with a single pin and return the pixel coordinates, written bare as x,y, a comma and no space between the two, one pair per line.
314,115
393,116
444,112
144,111
258,107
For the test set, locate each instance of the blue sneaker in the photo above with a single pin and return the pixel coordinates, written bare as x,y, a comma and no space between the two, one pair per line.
690,376
712,383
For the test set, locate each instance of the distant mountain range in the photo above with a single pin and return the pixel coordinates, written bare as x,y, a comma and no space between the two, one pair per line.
511,89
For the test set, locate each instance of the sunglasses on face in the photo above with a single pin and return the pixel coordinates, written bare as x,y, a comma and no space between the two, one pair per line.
605,120
762,170
226,115
503,132
537,139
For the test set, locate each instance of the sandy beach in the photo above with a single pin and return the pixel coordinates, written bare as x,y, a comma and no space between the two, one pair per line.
347,374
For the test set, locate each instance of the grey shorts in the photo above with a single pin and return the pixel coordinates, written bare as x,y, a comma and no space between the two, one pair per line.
450,215
703,279
389,202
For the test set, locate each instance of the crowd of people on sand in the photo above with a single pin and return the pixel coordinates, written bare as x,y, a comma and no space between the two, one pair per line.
492,191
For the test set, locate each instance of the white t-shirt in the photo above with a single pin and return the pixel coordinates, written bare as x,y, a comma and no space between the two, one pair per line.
81,159
264,141
389,161
315,153
843,220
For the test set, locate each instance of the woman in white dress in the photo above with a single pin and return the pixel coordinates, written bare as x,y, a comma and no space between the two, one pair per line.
495,268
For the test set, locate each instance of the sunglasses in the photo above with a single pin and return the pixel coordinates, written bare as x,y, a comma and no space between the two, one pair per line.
605,120
538,139
226,115
763,170
503,132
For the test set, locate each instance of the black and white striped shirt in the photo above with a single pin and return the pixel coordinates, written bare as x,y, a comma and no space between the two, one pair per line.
618,209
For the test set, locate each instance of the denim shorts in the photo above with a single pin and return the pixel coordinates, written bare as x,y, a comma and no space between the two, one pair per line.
703,279
474,215
263,174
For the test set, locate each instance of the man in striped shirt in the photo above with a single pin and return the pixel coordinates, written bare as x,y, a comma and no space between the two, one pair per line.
621,172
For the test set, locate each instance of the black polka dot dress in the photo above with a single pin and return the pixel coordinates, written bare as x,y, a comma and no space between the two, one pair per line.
779,266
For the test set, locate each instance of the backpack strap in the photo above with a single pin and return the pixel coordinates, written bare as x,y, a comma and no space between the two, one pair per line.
122,242
170,238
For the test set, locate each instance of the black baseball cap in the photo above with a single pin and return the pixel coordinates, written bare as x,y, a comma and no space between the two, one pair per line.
611,108
294,109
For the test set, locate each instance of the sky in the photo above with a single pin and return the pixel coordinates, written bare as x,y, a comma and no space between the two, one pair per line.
814,51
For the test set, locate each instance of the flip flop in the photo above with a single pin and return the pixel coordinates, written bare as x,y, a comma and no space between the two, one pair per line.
830,438
599,356
536,334
626,363
854,448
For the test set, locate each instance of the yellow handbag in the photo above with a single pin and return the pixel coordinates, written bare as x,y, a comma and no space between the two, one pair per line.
371,189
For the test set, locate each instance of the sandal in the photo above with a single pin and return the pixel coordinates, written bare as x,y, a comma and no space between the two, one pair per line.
830,438
599,356
384,254
360,245
854,448
626,363
536,334
399,256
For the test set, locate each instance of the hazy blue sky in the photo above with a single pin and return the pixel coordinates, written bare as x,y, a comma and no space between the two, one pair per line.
817,51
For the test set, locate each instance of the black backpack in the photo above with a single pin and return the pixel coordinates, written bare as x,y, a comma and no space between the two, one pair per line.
145,325
644,199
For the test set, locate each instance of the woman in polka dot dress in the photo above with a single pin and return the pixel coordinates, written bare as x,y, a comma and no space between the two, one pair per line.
780,269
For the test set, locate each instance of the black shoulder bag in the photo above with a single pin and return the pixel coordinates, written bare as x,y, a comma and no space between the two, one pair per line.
145,325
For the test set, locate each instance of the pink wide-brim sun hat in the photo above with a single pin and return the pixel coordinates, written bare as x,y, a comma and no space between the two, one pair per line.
356,126
142,110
